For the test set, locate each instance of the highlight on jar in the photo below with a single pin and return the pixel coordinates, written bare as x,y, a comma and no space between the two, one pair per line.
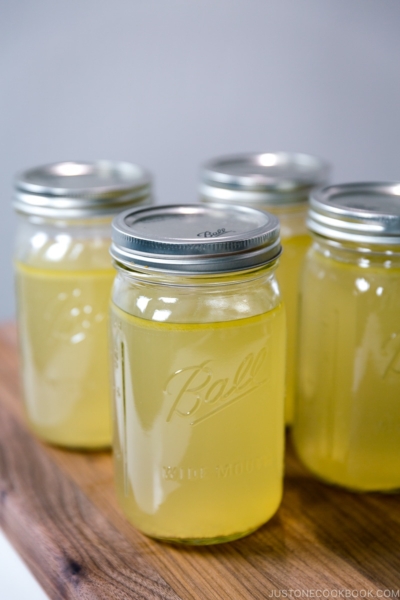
278,182
64,276
347,421
199,356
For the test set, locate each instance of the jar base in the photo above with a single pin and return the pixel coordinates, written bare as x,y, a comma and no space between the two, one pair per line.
73,446
104,447
354,490
345,486
205,541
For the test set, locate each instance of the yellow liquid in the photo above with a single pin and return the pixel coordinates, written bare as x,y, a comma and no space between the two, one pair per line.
198,438
347,422
288,273
63,327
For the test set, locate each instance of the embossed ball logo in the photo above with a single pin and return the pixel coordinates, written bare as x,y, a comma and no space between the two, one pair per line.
198,394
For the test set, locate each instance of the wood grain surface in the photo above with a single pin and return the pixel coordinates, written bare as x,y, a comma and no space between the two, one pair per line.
59,510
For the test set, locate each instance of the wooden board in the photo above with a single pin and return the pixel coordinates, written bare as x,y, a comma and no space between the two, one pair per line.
59,510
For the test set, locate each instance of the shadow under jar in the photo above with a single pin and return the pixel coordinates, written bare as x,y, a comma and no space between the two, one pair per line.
347,423
280,183
64,277
198,343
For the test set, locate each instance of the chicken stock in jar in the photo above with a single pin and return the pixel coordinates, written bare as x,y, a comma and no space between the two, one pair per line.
64,277
347,424
198,349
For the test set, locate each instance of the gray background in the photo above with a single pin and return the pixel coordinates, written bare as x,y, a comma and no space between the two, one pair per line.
169,83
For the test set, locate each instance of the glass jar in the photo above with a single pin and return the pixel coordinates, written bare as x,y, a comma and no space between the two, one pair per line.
280,183
347,421
63,278
199,343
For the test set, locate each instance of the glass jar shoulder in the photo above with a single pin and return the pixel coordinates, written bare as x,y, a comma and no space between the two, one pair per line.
191,300
356,273
56,246
292,220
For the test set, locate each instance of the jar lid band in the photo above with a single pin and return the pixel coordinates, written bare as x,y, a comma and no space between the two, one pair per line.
361,212
270,178
195,238
79,189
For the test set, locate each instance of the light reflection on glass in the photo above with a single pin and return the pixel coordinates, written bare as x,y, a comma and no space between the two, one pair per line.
218,302
142,303
362,284
364,263
59,249
242,307
39,240
78,337
161,315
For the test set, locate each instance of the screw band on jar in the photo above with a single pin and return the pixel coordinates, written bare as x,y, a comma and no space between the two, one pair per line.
366,212
78,189
270,178
195,239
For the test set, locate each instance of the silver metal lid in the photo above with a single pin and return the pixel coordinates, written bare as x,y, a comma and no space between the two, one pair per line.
267,178
79,189
195,238
360,212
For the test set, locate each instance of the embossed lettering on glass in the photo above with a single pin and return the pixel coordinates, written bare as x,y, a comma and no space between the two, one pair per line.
198,346
279,182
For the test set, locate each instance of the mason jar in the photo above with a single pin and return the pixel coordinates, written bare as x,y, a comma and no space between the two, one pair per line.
198,342
278,182
347,422
63,281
